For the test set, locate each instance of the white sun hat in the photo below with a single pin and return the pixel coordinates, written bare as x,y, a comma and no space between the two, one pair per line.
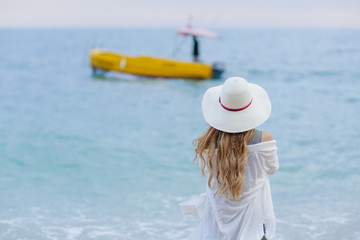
236,106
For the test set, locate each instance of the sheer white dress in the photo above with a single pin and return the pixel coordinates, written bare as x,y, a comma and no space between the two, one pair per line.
249,218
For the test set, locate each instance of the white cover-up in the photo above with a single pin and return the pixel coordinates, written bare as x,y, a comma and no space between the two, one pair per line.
226,219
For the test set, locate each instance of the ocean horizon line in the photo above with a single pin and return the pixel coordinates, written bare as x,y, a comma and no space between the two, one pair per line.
168,28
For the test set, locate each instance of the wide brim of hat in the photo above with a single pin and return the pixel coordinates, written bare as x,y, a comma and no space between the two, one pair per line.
236,121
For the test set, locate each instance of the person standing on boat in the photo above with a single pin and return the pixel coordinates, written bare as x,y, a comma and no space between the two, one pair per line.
236,158
196,49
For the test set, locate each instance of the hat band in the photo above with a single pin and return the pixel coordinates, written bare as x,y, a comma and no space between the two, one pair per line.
234,109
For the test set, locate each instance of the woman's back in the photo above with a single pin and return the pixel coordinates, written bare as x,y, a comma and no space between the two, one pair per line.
244,218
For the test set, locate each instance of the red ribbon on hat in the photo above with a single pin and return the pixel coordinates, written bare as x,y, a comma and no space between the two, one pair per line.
234,109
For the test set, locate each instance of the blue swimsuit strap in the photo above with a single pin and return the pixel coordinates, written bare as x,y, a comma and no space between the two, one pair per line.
257,137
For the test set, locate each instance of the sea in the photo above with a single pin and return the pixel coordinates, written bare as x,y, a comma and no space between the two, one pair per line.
110,156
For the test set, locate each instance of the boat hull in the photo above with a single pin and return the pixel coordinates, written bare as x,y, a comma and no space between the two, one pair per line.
149,66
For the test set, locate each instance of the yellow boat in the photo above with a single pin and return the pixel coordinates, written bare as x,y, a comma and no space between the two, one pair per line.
152,66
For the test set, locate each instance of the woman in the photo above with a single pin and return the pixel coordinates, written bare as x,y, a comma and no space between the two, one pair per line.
236,158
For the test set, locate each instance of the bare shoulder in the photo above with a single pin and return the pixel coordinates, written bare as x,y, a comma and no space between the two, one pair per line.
266,136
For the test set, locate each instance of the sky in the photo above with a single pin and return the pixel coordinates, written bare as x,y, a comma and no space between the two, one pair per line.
175,13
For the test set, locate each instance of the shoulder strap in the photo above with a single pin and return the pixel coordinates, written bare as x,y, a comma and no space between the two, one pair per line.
257,137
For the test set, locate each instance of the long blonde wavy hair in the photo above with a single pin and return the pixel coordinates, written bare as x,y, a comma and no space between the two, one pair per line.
230,161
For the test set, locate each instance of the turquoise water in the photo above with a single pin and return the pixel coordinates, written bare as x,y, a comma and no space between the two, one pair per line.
86,157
